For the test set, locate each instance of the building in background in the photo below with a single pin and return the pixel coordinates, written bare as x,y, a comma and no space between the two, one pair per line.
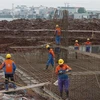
22,11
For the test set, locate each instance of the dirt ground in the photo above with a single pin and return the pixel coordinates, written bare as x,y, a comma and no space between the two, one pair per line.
82,87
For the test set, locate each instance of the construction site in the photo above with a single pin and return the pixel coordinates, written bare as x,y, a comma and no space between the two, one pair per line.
26,40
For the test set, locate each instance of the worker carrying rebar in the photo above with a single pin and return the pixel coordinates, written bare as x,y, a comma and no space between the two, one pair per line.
88,45
76,45
57,35
9,68
63,80
51,57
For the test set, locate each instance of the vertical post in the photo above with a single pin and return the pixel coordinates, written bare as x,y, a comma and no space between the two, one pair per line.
65,33
65,28
13,11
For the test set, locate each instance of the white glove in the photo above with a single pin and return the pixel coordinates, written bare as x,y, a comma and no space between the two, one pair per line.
67,70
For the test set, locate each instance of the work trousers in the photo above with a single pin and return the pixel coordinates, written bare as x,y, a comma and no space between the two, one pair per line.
7,77
63,83
87,48
58,39
50,61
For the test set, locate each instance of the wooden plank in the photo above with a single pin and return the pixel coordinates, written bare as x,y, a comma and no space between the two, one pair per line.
25,87
50,30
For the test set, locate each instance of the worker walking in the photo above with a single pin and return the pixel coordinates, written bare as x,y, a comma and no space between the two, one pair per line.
9,69
57,34
76,45
63,79
88,44
51,57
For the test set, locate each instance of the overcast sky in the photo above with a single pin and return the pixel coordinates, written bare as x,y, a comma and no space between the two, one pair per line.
88,4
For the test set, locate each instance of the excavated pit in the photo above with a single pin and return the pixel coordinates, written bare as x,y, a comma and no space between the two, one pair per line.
31,59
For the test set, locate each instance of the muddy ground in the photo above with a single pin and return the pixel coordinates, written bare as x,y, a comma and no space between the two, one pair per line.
82,87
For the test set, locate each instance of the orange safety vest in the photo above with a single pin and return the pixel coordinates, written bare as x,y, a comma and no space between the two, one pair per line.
58,31
8,66
52,52
76,44
88,43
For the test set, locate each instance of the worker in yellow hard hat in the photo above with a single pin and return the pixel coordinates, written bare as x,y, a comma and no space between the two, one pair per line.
51,57
76,45
47,46
57,35
9,69
88,45
57,25
63,79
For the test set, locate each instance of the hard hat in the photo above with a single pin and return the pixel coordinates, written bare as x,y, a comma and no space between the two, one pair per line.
88,39
47,46
8,56
60,61
76,40
57,25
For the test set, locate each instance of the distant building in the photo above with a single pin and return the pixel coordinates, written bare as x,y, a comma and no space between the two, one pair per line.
5,13
74,12
71,10
81,15
22,11
94,14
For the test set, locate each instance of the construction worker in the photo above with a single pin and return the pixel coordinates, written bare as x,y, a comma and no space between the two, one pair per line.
51,57
88,43
76,45
57,34
63,79
9,69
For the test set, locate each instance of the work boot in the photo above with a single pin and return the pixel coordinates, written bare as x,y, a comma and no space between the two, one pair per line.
6,87
67,94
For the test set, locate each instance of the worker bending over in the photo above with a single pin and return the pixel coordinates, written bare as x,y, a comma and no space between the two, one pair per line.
51,57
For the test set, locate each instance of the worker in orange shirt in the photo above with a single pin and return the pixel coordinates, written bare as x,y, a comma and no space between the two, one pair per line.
88,44
51,57
9,69
76,45
57,34
63,79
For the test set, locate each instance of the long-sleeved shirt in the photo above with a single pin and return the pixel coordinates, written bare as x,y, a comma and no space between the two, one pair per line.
58,31
8,66
87,43
61,71
76,46
51,53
